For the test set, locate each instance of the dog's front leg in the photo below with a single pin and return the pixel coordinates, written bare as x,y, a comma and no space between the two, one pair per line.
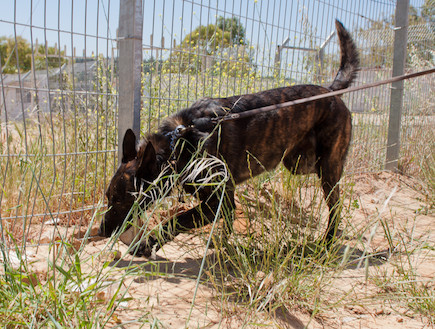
210,209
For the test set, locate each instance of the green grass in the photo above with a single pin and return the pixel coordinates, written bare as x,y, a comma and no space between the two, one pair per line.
75,290
277,264
62,300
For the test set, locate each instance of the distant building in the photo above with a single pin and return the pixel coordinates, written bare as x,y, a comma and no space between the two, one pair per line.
43,90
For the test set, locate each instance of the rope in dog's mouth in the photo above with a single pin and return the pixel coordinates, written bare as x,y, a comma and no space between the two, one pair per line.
235,116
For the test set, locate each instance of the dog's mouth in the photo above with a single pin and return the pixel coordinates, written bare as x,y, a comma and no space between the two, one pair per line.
103,233
106,230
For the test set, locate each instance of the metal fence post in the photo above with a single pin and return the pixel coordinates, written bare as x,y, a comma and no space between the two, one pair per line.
396,98
129,69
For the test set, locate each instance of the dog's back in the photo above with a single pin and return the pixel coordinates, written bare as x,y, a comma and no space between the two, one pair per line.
308,138
216,107
293,131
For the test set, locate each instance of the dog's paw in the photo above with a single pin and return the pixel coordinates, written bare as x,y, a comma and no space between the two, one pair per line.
145,248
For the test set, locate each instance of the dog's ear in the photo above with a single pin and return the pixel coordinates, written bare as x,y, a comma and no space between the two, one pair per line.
147,162
129,146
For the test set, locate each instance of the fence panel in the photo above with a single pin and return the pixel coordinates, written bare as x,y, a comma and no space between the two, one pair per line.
58,114
194,49
59,119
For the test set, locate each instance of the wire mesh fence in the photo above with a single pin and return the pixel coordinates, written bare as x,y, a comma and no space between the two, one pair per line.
59,86
58,114
243,47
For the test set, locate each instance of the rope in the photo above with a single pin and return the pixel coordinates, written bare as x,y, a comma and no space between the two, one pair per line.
235,116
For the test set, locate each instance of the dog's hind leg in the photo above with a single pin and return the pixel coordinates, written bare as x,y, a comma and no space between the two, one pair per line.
330,169
331,190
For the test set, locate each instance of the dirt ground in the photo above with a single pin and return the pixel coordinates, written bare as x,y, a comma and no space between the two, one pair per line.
167,298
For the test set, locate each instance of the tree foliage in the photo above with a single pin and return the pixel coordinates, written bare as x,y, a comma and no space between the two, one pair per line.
207,38
379,36
14,54
235,29
18,54
214,48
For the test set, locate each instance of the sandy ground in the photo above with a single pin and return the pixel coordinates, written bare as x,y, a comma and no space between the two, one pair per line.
167,298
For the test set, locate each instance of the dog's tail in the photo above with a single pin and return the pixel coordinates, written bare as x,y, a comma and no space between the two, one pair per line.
349,64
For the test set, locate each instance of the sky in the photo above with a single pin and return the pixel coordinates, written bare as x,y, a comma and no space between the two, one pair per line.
76,23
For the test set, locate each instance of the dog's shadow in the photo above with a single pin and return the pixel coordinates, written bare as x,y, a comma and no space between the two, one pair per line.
161,267
189,267
175,271
354,258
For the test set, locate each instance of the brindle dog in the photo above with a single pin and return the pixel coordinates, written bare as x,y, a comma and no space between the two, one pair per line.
308,138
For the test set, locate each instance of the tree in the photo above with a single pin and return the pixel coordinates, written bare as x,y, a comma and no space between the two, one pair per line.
207,38
199,49
234,27
8,55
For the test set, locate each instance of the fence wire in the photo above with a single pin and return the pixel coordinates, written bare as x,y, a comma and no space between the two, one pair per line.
59,70
58,114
